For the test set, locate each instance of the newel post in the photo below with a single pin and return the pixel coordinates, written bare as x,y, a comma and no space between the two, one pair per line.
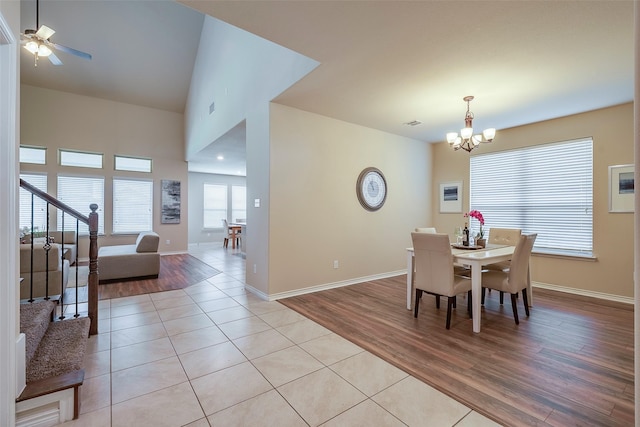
93,269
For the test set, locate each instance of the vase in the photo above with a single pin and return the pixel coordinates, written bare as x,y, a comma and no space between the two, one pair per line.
481,242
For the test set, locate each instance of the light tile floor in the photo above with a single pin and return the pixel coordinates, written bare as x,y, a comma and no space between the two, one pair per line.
215,355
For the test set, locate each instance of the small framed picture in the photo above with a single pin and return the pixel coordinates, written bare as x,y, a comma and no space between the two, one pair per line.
451,197
621,188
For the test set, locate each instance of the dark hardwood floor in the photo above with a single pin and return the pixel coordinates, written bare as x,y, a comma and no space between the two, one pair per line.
176,272
569,364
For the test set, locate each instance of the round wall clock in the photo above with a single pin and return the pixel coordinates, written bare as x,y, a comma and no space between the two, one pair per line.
371,189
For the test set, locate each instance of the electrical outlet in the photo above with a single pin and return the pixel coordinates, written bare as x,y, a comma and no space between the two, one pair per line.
336,264
255,269
168,242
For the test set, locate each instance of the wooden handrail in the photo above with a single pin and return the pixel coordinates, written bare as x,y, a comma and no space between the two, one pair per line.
92,222
55,202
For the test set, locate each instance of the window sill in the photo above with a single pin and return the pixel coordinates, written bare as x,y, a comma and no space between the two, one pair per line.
569,255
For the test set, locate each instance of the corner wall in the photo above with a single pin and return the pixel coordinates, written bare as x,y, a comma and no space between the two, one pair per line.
612,132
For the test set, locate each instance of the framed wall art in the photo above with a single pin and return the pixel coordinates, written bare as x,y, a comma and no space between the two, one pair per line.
451,197
170,209
621,188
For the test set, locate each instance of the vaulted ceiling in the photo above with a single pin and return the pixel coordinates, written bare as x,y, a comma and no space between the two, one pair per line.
382,63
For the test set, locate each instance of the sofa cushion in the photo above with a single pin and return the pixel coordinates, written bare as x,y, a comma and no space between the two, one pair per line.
39,257
147,241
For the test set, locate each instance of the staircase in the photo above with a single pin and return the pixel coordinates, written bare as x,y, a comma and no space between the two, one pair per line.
54,365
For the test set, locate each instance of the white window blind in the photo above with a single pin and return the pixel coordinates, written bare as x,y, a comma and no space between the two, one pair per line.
39,206
238,203
215,205
546,189
132,205
78,192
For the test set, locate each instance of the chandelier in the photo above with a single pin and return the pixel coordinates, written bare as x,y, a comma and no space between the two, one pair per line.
467,140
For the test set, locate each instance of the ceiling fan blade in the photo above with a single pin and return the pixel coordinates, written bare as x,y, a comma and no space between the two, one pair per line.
54,59
44,32
72,51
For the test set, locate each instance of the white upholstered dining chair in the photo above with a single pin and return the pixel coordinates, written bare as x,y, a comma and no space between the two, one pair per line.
435,272
516,278
502,236
229,234
425,230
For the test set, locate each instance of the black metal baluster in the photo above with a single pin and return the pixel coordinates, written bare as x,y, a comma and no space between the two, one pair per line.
61,254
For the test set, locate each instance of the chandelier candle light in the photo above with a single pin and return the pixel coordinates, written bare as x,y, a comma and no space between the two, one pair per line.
467,140
480,240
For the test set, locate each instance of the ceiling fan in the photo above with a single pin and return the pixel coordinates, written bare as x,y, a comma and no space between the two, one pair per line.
37,42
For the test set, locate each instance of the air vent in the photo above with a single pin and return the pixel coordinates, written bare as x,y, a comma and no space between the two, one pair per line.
413,123
212,107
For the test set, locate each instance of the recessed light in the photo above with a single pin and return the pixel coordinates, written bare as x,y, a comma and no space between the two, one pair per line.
220,157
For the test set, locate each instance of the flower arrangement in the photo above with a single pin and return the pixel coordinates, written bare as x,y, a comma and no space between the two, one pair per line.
477,215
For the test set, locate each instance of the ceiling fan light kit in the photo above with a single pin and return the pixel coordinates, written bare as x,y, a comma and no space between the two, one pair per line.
467,140
38,43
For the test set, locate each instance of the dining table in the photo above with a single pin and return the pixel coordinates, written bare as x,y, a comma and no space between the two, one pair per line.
235,229
475,258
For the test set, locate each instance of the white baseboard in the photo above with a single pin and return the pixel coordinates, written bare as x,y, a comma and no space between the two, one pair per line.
583,292
323,287
280,295
45,411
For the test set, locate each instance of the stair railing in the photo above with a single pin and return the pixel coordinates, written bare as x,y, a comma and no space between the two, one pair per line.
92,221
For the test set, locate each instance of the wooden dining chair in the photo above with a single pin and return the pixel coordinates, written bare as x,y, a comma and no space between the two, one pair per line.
435,272
516,278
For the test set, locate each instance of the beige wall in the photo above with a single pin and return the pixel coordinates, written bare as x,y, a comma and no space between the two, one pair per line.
612,132
62,120
315,217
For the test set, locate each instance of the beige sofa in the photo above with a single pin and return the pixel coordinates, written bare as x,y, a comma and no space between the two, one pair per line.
70,246
130,261
58,271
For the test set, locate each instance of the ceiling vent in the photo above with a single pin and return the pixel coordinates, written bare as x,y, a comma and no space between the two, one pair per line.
413,123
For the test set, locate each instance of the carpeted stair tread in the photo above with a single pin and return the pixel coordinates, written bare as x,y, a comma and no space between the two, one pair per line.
61,350
34,321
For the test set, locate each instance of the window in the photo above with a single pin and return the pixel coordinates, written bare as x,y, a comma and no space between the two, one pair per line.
39,205
78,192
34,155
133,164
80,159
238,203
546,189
215,205
132,205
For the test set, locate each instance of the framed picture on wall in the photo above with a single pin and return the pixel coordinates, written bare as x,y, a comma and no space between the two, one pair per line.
621,188
170,209
451,197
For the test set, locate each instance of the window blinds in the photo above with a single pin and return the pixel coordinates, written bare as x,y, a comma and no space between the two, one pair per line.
79,192
545,189
132,205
